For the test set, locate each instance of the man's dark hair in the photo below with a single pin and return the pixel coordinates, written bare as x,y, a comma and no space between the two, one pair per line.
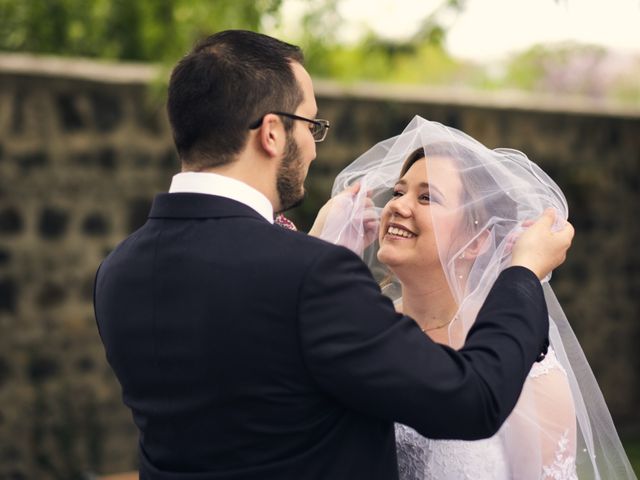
228,81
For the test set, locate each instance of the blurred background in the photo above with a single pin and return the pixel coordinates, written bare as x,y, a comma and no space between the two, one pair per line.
85,145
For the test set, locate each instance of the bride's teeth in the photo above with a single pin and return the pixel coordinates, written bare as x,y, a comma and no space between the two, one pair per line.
400,232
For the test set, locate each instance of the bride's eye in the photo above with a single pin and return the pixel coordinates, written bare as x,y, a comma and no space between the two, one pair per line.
425,198
397,193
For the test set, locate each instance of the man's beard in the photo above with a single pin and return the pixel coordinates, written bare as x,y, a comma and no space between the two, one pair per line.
290,179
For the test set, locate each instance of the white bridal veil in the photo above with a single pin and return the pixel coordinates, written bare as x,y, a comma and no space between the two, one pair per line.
561,419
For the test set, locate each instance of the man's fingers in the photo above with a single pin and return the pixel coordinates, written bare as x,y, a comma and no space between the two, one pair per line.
544,221
568,232
353,189
547,218
528,223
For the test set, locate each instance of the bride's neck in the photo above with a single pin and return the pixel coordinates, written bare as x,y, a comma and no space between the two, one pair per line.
430,303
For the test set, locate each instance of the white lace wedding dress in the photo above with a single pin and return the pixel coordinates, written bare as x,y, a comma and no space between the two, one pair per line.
420,458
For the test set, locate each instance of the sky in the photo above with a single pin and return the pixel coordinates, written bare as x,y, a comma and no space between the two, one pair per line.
489,30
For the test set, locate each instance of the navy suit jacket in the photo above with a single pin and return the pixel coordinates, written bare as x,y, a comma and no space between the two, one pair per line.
248,351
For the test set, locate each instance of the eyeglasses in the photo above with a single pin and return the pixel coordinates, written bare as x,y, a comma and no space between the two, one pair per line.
318,127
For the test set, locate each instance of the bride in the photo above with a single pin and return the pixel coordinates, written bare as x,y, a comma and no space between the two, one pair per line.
449,210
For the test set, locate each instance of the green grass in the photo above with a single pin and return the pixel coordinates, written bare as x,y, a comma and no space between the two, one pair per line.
632,448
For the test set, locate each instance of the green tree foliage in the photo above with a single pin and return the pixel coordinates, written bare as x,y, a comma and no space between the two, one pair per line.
146,30
574,69
378,60
162,30
421,58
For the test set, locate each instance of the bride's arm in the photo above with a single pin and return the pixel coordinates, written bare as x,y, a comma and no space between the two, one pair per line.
540,434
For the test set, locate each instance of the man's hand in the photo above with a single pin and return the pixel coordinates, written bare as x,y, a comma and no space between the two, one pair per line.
361,230
541,249
321,219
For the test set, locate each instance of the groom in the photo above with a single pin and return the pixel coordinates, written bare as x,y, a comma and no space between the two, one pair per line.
248,351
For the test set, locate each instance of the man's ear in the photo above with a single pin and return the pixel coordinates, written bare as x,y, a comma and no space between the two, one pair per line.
272,135
478,246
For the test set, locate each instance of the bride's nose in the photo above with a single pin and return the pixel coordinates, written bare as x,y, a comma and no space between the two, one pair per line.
400,206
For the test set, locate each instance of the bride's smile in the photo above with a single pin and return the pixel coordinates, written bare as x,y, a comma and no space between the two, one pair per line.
397,231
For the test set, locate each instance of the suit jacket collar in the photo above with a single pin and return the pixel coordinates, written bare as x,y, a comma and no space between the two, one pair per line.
199,205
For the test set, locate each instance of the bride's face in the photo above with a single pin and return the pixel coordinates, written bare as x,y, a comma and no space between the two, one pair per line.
420,199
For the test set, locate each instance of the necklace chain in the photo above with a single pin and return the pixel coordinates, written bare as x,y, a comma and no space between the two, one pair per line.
425,330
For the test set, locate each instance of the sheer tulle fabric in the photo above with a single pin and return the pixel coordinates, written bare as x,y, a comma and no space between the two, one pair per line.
561,425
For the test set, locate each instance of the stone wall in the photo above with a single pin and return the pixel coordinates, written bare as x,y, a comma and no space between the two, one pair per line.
85,146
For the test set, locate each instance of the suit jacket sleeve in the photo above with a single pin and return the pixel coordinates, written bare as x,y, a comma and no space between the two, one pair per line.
379,362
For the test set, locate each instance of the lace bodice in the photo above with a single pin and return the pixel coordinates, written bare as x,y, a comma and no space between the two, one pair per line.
420,458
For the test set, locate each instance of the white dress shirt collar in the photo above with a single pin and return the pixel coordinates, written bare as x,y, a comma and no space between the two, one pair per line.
215,184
